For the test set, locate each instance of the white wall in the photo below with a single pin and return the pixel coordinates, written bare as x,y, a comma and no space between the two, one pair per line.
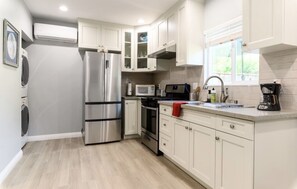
55,89
10,83
220,11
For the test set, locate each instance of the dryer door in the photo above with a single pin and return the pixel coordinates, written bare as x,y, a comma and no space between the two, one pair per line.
25,119
25,71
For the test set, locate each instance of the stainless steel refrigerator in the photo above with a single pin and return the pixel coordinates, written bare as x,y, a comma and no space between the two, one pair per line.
102,97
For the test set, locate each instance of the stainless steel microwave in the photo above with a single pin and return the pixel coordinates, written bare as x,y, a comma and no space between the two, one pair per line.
145,90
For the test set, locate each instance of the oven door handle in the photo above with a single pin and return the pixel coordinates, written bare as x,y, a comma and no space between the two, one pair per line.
155,109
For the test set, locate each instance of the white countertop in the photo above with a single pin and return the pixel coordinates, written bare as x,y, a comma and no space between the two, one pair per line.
251,114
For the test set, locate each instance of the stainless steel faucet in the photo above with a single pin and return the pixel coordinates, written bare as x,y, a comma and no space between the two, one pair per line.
223,97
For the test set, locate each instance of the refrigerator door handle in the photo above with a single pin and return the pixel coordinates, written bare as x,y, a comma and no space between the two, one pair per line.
107,63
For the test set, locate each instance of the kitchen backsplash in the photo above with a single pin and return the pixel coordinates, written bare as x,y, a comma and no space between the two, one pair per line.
283,67
135,78
178,75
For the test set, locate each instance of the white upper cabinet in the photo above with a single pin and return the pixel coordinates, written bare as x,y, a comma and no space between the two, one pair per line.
128,50
269,25
89,35
93,35
162,34
172,29
167,31
190,34
111,37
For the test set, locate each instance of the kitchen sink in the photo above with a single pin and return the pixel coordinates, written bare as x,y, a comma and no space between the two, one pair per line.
215,105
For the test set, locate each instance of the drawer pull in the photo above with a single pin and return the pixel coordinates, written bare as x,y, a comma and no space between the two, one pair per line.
164,110
232,126
164,144
217,138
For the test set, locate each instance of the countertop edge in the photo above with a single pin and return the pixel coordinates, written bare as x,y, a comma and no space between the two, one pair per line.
286,114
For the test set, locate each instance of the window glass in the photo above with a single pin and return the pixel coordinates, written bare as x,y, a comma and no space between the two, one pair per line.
228,61
247,64
220,61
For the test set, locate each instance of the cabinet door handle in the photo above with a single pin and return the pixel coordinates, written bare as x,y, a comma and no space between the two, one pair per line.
164,110
164,144
244,44
232,126
190,129
187,127
217,138
164,125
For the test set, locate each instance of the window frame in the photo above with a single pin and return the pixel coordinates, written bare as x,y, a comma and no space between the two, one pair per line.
230,31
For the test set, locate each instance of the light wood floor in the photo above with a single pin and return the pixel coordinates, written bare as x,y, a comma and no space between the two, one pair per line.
68,164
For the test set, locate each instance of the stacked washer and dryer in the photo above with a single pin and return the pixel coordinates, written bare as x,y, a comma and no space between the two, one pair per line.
24,97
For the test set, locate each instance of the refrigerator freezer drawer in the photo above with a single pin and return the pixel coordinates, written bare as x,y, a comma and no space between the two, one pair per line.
102,111
102,131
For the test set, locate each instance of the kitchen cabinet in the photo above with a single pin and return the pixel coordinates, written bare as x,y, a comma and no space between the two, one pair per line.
93,35
131,122
216,159
128,63
202,153
167,31
269,25
190,34
166,134
181,142
142,51
234,162
219,151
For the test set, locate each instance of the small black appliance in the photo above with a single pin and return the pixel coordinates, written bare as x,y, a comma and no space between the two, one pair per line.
270,100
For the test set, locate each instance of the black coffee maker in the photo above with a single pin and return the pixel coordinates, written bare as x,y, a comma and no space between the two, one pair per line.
270,101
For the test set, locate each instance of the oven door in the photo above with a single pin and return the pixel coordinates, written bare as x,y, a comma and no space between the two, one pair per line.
149,121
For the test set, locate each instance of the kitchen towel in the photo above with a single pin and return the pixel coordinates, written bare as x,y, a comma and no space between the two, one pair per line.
176,108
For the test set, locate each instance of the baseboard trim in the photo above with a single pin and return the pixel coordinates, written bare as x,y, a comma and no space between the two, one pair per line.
54,136
5,172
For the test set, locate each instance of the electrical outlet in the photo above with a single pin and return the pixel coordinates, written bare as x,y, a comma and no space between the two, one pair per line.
279,81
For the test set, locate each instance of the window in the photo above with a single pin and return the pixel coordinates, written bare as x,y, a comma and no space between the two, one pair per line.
226,59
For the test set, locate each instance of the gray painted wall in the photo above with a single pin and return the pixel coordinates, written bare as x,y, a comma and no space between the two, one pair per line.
10,84
55,89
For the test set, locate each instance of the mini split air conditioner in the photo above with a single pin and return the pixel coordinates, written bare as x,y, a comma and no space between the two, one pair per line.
55,33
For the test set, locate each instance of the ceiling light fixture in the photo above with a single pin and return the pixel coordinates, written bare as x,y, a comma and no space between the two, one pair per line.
63,8
140,21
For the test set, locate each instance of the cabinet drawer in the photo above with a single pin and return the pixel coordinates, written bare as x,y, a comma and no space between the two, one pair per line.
236,127
167,110
201,118
165,125
165,144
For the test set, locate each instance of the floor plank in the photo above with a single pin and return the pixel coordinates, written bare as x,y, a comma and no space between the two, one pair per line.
68,164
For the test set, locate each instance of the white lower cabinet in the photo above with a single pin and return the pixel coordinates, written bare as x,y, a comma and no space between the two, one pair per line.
130,118
181,142
165,144
217,159
202,153
234,162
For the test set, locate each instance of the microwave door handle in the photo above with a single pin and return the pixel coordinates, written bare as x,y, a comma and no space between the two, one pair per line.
149,108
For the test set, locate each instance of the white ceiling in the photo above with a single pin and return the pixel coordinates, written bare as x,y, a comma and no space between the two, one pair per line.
116,11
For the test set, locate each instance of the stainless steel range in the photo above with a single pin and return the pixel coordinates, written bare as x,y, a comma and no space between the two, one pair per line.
150,114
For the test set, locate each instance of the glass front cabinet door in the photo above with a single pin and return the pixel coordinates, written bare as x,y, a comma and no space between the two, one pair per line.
142,51
127,53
